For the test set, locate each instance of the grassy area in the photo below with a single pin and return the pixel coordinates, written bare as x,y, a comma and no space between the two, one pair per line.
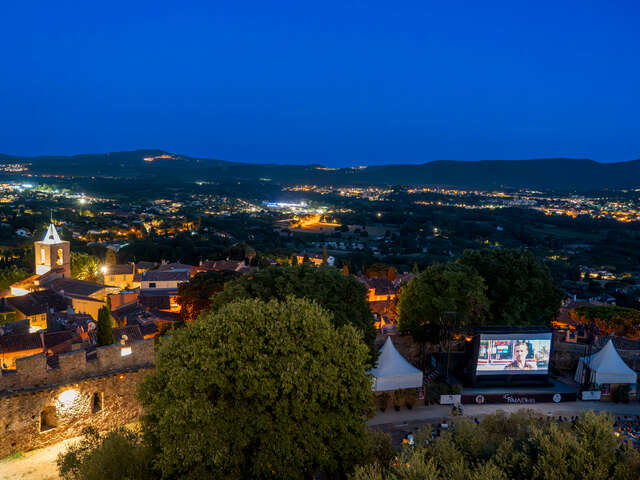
13,456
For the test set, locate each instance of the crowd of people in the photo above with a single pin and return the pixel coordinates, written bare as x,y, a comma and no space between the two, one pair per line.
628,428
625,427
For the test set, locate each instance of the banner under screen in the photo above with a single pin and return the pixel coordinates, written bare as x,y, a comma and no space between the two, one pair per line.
509,354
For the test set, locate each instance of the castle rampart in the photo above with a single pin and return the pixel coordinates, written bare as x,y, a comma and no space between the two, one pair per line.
41,404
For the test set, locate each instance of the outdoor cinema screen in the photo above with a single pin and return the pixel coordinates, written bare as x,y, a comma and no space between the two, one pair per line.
517,353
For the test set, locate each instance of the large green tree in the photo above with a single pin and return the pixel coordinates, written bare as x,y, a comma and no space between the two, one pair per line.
258,390
343,296
520,288
195,295
441,293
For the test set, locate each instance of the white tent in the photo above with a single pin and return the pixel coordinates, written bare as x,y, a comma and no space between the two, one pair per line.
393,372
606,367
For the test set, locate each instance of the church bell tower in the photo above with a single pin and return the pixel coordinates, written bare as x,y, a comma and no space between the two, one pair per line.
52,252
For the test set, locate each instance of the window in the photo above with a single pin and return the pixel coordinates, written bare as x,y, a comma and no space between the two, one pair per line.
42,257
96,402
59,261
48,419
152,284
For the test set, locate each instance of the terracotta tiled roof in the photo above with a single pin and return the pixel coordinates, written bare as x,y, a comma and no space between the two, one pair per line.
126,269
36,303
165,276
18,343
76,287
131,331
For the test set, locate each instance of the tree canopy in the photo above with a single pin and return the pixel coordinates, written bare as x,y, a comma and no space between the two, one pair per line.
442,288
85,266
525,445
519,288
258,390
195,295
609,319
343,296
11,275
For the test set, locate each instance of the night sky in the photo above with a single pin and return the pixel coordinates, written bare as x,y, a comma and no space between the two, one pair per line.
337,83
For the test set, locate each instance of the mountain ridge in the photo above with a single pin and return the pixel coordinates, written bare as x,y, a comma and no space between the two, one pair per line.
543,173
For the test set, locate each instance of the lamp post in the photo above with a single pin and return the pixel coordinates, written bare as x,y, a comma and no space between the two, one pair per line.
592,332
446,329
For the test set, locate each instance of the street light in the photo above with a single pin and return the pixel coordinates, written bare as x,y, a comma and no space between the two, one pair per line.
445,330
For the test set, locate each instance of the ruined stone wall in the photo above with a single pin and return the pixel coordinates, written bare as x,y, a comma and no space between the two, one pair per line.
40,405
71,408
565,356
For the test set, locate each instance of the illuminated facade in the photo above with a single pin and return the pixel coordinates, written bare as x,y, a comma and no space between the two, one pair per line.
52,252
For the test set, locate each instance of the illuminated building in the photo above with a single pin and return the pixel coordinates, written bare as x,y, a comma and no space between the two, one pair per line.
52,252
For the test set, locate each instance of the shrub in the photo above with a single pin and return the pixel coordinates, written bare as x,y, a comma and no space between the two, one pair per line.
117,455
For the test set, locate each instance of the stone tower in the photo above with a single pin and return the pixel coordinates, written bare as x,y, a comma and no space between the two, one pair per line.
52,252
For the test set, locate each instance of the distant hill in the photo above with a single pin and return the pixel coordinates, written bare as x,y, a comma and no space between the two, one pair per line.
546,173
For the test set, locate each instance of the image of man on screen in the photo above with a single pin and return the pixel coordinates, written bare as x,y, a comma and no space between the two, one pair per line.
520,353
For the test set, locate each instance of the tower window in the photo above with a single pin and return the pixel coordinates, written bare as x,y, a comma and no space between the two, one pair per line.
42,257
60,257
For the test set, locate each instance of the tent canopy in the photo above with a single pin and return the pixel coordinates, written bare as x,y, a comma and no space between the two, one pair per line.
393,371
606,367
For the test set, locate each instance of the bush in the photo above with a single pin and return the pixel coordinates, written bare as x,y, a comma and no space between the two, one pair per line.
621,394
382,400
409,398
117,455
379,448
397,396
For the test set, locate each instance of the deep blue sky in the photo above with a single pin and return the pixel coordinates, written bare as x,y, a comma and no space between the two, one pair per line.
338,83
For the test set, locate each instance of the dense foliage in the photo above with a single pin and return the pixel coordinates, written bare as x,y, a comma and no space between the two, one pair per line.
519,288
343,296
195,295
524,445
119,454
609,319
85,266
258,390
449,293
105,327
11,275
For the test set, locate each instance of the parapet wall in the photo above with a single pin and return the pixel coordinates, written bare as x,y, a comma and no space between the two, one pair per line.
33,372
40,405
